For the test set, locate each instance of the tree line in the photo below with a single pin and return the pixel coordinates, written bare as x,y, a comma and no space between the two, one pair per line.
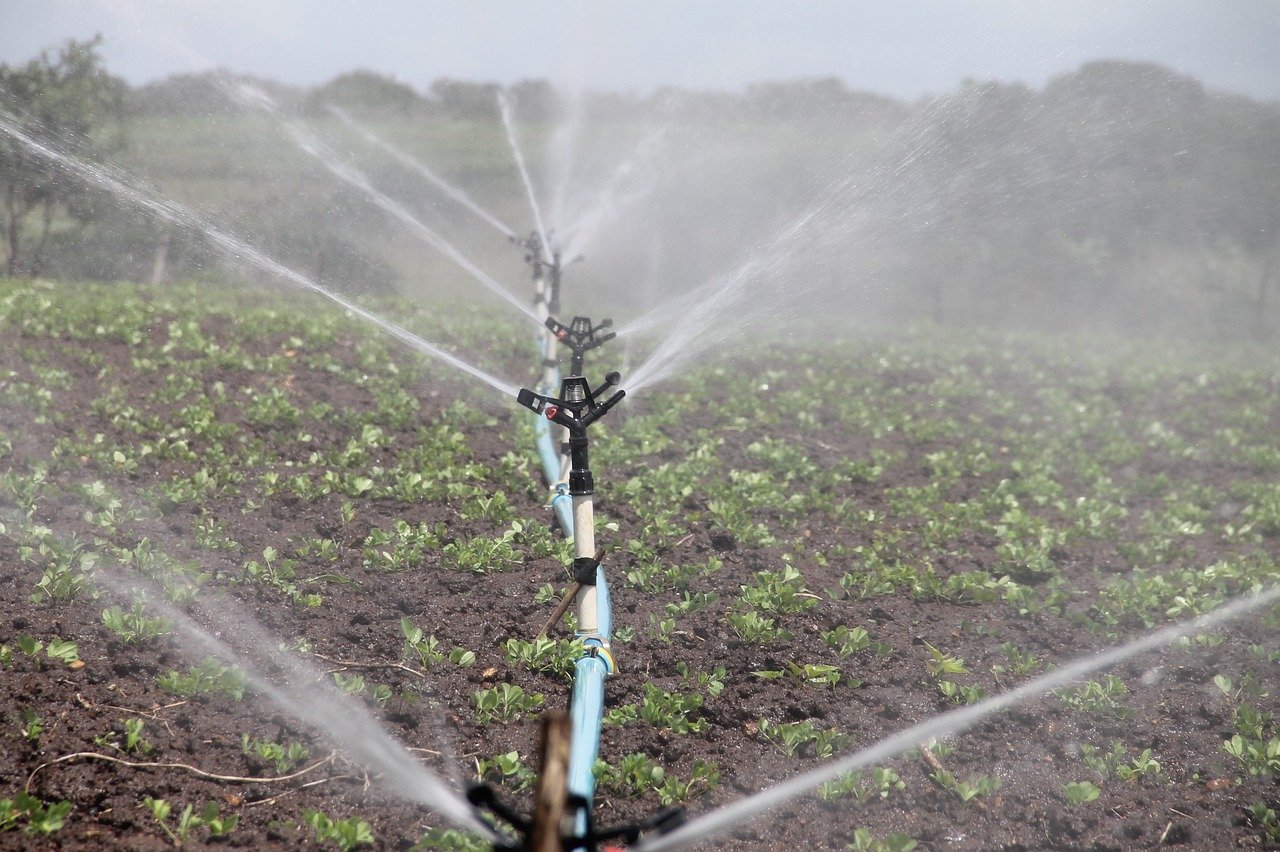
1121,188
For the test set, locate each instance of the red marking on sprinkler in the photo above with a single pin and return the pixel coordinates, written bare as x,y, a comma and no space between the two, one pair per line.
562,334
551,411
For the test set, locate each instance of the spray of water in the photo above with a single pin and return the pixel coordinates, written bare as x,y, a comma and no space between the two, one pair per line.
235,248
620,191
949,723
305,693
563,153
250,95
504,107
849,215
418,166
722,311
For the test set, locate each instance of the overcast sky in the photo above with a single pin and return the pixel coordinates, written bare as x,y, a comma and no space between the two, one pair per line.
899,47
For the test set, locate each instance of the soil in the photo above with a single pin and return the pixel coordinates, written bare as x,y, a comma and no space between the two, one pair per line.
1174,709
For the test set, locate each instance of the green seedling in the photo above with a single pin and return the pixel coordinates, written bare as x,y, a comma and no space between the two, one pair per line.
347,833
1117,762
556,656
847,641
960,694
283,758
712,681
506,769
1266,819
208,677
1081,792
1258,757
1020,662
32,726
793,737
942,663
968,789
353,685
753,627
865,841
1097,697
778,591
863,785
134,626
130,742
35,816
505,703
189,821
636,774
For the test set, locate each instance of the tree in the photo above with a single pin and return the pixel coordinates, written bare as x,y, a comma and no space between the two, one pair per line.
368,91
69,101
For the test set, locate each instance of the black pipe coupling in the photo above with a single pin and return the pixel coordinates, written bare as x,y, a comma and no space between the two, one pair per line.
584,570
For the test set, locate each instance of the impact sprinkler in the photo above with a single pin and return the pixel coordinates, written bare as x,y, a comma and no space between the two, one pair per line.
546,273
575,409
581,337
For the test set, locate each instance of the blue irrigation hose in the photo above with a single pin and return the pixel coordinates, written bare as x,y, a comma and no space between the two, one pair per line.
550,458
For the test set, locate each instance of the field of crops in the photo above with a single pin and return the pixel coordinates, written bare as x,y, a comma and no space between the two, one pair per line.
810,549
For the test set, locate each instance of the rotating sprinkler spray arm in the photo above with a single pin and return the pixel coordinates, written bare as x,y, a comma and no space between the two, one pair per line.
581,337
575,409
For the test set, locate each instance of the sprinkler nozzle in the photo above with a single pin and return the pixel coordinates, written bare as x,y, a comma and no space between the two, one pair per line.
581,337
575,409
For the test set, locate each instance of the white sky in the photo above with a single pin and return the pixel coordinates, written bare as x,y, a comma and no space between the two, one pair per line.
904,48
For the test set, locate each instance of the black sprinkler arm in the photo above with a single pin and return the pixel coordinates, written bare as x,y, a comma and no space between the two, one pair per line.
580,336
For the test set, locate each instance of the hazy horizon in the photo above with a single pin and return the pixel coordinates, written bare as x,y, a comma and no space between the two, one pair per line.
906,52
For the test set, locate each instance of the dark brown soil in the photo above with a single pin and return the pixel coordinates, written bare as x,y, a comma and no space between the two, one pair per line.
1172,706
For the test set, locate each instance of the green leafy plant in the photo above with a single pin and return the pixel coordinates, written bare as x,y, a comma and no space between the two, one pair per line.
283,758
505,703
863,785
1266,819
942,663
507,769
968,789
1097,697
189,820
209,676
1081,792
347,833
34,816
637,773
794,737
865,841
1116,762
544,655
753,627
134,626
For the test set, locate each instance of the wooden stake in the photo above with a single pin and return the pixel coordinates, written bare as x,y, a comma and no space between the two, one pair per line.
553,785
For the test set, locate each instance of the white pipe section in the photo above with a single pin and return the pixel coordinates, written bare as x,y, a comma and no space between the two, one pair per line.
584,545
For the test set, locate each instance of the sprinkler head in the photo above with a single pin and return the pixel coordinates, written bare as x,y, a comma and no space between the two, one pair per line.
581,337
576,407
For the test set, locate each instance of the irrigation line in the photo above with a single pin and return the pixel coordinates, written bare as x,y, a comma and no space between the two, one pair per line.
421,168
235,248
736,814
